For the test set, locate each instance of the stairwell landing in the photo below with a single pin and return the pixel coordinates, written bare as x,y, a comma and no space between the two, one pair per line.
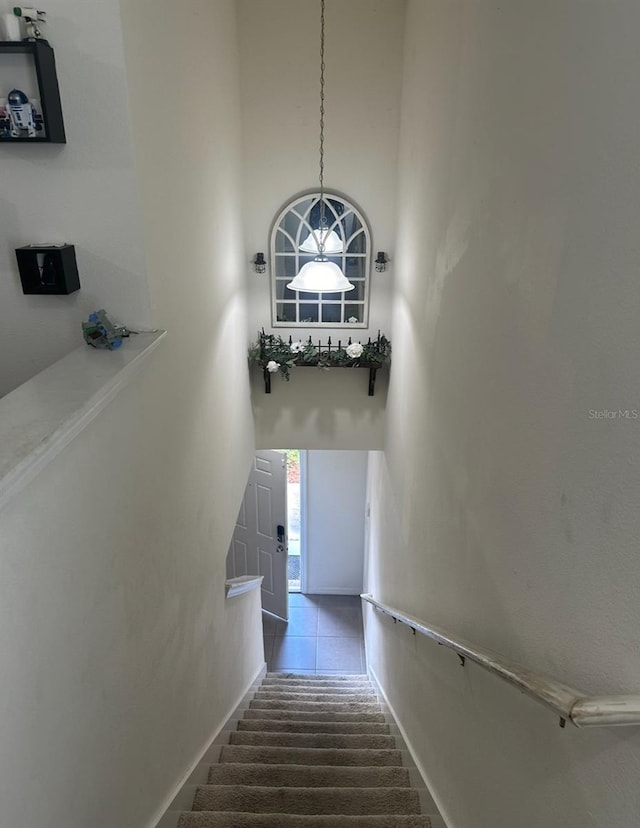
309,751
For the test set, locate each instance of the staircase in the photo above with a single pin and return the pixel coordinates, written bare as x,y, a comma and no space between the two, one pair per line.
311,752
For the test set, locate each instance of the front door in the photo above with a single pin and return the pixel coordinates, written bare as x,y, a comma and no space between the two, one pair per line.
259,544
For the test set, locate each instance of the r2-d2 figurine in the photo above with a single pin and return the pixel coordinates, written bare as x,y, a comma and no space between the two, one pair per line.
22,114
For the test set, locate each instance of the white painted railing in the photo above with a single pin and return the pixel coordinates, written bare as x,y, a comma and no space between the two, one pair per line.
570,704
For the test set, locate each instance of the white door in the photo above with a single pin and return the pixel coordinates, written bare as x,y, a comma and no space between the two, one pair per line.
259,544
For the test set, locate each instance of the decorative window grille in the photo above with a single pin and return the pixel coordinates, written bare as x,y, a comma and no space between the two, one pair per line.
292,227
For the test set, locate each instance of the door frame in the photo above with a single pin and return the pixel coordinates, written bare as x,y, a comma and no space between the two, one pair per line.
303,520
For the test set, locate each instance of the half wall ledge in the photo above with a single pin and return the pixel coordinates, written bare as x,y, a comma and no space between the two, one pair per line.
244,583
43,415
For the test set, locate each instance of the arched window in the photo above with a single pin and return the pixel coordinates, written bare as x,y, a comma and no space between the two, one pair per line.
293,244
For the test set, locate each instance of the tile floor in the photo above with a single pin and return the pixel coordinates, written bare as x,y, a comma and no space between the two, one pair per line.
323,635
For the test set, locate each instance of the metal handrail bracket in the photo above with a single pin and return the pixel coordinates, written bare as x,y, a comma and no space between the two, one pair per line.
570,704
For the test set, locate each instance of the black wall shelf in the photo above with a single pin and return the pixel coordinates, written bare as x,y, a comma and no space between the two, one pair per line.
48,91
272,350
373,367
48,270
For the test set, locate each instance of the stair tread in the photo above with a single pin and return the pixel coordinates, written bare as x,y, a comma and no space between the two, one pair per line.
336,698
280,726
336,685
312,715
283,704
319,740
218,819
308,775
320,676
309,756
306,800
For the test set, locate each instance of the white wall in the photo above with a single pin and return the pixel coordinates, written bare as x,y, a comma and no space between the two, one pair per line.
279,43
319,409
502,508
280,83
119,654
334,516
83,192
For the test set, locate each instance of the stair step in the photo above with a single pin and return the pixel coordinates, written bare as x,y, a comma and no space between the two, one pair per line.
320,676
339,698
320,686
314,740
259,799
300,678
311,716
309,756
337,707
310,751
217,819
309,776
279,726
326,689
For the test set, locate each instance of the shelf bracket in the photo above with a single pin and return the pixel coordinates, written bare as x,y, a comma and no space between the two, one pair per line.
372,381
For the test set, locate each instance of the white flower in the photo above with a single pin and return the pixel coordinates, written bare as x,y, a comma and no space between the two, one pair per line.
353,320
272,366
354,350
296,347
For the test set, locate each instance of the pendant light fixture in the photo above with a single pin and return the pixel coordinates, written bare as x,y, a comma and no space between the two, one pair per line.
328,239
321,275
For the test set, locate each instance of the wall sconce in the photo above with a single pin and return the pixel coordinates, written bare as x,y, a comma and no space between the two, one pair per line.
259,264
381,262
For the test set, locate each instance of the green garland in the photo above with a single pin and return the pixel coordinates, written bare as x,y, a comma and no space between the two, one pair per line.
273,350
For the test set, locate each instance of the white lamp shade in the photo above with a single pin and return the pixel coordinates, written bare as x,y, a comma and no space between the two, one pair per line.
320,277
332,242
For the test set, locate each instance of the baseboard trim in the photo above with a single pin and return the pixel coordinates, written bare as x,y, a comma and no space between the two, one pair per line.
330,591
166,816
410,749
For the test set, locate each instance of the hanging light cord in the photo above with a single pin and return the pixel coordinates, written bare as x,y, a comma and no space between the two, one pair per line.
322,217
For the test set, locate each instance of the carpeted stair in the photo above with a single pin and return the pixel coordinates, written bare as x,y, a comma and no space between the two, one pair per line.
310,752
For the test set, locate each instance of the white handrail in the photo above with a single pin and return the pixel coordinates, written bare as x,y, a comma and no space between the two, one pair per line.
571,705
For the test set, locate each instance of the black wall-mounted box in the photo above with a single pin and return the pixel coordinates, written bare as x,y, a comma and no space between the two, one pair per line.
44,63
48,269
